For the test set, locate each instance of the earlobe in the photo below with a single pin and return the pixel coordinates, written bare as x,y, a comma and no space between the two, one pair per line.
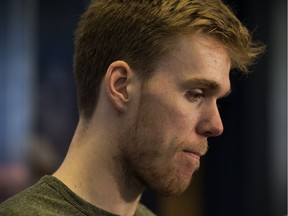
117,79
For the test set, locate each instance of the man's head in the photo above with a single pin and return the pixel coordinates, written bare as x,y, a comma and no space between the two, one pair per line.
141,32
152,72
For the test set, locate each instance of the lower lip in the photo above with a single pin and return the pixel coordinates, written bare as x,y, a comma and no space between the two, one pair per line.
193,155
189,162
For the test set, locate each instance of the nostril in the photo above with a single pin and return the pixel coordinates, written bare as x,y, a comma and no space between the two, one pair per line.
213,132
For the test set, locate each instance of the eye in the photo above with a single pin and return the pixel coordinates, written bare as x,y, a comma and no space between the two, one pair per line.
194,94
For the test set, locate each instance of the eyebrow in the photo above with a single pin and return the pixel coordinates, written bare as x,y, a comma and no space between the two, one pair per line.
204,83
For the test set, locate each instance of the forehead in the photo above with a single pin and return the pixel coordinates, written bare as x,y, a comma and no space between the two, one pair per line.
196,56
199,49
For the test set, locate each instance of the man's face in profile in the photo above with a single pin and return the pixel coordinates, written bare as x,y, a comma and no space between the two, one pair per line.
176,115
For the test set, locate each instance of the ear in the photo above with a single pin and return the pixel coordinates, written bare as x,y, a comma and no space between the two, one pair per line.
117,81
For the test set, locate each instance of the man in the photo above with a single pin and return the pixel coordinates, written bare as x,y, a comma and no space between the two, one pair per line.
149,74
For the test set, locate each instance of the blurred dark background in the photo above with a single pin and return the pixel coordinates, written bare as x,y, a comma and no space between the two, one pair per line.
245,170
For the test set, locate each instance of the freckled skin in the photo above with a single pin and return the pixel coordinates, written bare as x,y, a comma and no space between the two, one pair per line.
168,122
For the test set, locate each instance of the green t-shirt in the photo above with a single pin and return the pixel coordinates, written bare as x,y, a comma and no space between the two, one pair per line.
50,196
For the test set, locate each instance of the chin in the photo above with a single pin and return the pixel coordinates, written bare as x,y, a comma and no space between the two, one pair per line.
169,182
174,187
171,191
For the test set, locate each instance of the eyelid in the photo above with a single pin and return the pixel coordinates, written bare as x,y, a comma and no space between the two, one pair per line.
194,94
197,93
195,90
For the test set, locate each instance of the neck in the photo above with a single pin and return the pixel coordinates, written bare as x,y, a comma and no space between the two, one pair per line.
92,169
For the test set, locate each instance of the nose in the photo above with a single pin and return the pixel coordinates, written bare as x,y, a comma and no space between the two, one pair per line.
210,124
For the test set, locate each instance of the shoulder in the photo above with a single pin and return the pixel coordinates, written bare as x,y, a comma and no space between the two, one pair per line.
40,199
22,202
49,197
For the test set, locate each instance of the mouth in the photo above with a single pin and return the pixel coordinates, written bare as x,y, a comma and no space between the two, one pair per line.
189,161
193,154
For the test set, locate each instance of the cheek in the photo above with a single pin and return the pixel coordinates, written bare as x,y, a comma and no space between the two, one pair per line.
181,119
170,117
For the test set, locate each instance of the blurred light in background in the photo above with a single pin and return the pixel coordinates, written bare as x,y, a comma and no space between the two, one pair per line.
17,75
277,105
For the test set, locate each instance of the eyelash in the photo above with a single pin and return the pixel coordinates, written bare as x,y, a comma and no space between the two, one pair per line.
194,95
